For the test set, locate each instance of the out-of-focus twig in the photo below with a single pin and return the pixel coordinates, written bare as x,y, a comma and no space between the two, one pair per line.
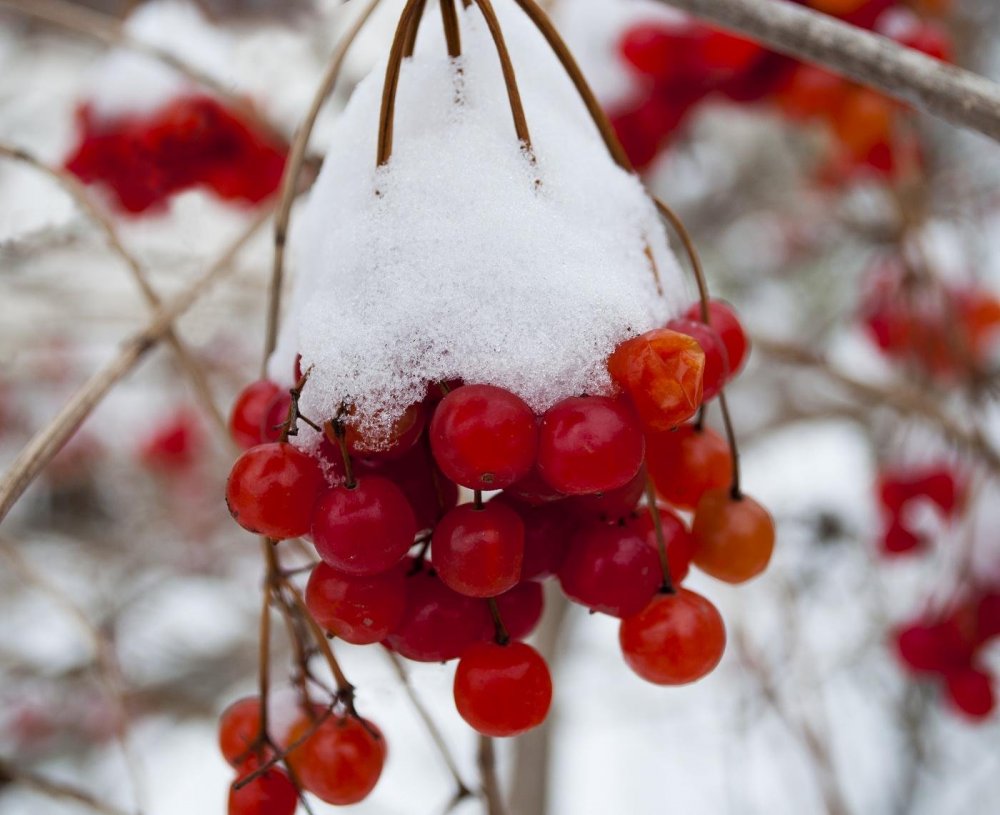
188,363
957,96
487,761
50,439
9,774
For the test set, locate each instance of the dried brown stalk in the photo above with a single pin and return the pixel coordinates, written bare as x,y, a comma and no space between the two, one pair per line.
950,93
293,173
54,789
187,361
487,762
51,439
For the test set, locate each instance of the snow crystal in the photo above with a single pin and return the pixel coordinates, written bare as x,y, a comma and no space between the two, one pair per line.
129,82
451,262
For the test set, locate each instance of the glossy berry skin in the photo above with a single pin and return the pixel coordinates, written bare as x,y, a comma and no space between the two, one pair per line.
686,463
676,639
340,763
716,356
438,623
248,412
239,730
613,504
610,568
484,437
533,490
478,552
415,472
272,490
734,538
275,417
547,533
676,537
502,690
359,610
723,319
661,372
970,691
589,444
366,529
520,609
271,793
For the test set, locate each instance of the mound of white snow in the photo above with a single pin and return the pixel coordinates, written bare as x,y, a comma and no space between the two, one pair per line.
451,262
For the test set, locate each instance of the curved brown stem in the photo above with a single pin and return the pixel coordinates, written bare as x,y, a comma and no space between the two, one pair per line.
661,541
391,84
452,32
411,34
293,172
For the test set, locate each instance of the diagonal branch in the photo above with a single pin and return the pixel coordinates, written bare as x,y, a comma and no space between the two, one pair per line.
51,439
950,93
189,365
9,774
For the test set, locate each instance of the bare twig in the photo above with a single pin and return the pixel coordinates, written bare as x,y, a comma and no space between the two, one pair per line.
487,761
50,440
293,171
955,95
54,789
461,789
188,363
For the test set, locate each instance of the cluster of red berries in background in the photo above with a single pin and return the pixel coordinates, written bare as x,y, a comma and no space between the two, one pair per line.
940,330
682,65
901,490
947,646
193,141
404,564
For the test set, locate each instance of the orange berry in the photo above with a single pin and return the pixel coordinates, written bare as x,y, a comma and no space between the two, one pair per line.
661,372
686,463
734,538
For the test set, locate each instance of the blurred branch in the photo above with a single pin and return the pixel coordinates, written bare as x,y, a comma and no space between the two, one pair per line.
462,790
900,398
110,31
9,774
487,760
105,655
50,439
189,365
950,93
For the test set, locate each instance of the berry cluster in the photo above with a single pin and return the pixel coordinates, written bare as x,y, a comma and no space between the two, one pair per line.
900,490
682,65
193,141
947,645
404,564
941,330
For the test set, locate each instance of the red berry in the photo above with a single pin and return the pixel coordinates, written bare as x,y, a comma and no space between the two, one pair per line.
970,691
271,793
613,504
359,610
547,532
723,319
686,463
676,537
249,410
364,529
502,690
716,356
520,609
416,473
275,416
272,490
403,435
589,444
988,616
239,732
899,539
438,623
933,648
734,537
175,445
610,568
478,552
484,437
676,639
661,372
650,49
533,490
341,761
